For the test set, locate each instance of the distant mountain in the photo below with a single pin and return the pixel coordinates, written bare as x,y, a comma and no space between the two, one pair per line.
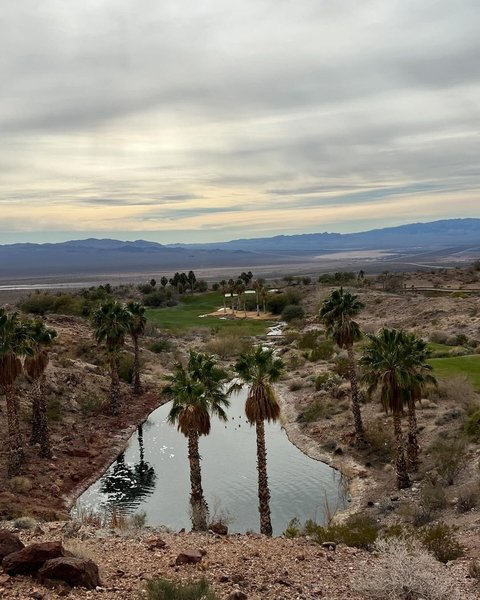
429,236
107,256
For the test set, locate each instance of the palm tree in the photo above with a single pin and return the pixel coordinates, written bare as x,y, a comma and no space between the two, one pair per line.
390,367
337,313
137,326
259,369
197,391
416,352
111,322
14,342
223,290
35,366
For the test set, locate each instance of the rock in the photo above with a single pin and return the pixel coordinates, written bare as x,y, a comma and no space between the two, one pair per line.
9,543
36,595
31,558
237,577
329,546
155,543
219,528
188,557
238,595
78,572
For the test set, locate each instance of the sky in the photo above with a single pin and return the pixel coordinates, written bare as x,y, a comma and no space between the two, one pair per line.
203,120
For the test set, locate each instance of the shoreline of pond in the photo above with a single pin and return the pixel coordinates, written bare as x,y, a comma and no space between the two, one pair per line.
347,468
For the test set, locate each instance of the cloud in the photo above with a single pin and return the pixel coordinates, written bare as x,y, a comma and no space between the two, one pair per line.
237,117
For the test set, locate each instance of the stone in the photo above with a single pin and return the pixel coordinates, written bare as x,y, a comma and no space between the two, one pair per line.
329,546
9,543
155,543
188,557
77,572
31,558
219,528
238,595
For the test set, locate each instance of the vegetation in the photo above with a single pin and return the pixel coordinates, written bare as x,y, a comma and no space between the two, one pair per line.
468,366
197,391
136,328
338,312
161,589
259,369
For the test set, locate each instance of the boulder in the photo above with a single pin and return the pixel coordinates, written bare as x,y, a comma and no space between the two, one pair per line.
188,557
31,558
219,528
9,543
77,572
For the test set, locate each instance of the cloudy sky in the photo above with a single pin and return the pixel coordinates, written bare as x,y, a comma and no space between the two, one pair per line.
192,120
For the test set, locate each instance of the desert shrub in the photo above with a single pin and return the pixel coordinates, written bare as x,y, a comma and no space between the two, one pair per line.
227,344
328,382
295,360
67,304
438,337
160,345
320,408
468,498
161,589
292,312
379,439
308,340
24,523
358,531
138,519
54,408
404,570
422,515
201,285
440,540
449,456
451,340
38,303
474,571
276,303
295,385
432,496
323,351
457,390
125,367
294,529
20,485
341,366
91,404
472,424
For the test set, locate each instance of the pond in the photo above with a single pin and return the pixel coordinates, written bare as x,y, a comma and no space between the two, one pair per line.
152,476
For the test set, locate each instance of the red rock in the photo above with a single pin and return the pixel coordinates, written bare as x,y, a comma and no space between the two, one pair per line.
77,572
188,557
9,543
31,558
219,528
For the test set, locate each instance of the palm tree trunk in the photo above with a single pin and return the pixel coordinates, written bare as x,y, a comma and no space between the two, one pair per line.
413,448
197,501
137,387
114,386
263,491
16,455
45,449
35,394
403,480
357,415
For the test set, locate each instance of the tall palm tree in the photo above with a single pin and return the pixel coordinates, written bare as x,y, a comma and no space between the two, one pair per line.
259,369
42,338
197,391
111,322
388,366
416,353
223,289
137,324
14,342
337,313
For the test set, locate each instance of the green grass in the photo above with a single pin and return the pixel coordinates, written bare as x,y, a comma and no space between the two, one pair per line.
469,366
185,316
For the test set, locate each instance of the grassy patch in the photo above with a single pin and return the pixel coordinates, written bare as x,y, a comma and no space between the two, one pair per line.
469,366
186,316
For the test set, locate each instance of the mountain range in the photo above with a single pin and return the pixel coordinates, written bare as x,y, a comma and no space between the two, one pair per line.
102,256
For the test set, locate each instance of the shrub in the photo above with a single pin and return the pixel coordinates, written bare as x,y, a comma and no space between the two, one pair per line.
449,456
440,540
323,351
358,531
24,523
38,304
404,571
438,337
328,382
432,496
468,497
308,340
125,367
21,485
379,439
472,425
295,385
474,571
91,404
160,345
227,344
293,529
161,589
341,366
292,312
320,408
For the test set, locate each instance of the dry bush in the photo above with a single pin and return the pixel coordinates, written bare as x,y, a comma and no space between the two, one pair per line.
468,497
380,440
228,344
457,390
406,571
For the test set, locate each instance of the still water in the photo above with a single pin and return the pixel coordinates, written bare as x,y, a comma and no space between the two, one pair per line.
152,475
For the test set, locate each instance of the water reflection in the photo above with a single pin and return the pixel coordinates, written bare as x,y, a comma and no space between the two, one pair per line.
125,486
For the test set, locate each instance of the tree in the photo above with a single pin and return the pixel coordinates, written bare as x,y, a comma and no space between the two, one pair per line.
197,391
389,367
111,322
257,286
231,291
259,369
191,281
14,342
153,282
42,338
137,324
163,281
416,353
223,289
337,313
